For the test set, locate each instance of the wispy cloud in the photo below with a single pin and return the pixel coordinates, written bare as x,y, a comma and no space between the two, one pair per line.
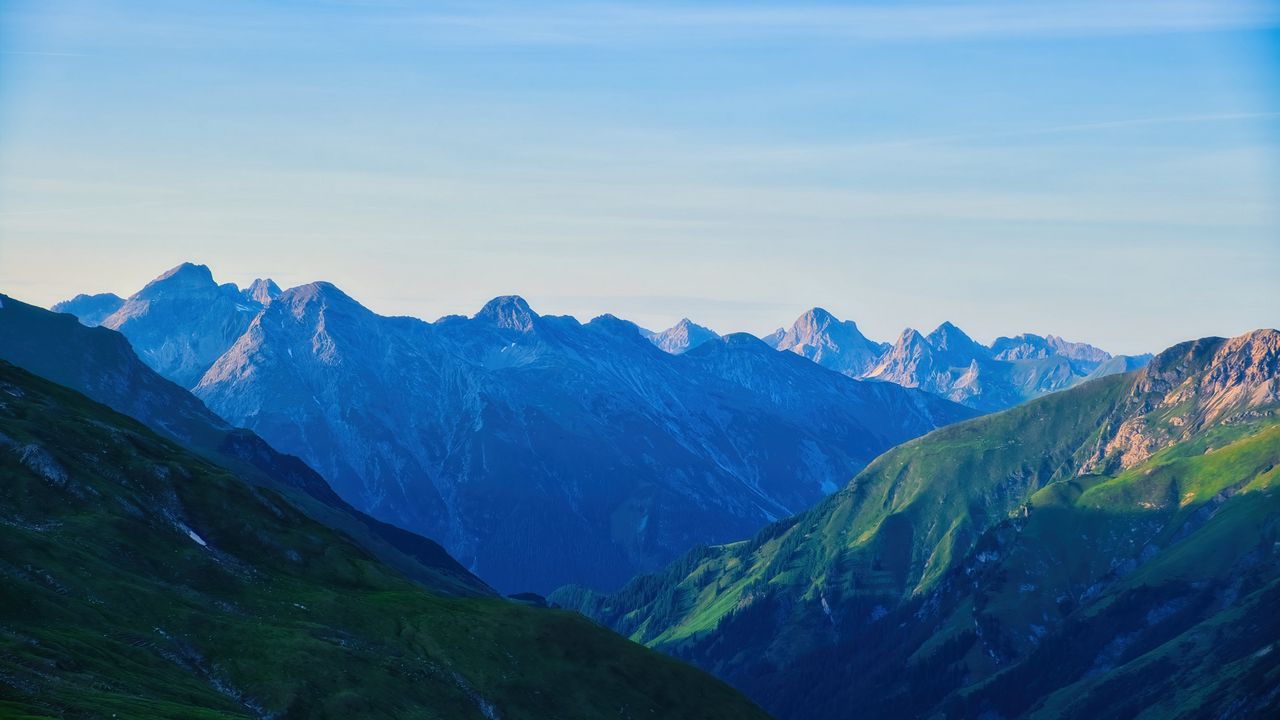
622,24
1032,132
590,23
42,53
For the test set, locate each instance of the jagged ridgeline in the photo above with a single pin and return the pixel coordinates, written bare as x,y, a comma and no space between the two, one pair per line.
1112,550
949,363
538,449
143,581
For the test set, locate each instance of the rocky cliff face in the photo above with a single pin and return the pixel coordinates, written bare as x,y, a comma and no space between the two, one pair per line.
1192,386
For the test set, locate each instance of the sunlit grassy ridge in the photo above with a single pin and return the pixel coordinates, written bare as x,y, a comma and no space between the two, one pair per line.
142,581
1012,563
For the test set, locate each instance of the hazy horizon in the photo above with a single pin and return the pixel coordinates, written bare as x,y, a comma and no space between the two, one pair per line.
1098,171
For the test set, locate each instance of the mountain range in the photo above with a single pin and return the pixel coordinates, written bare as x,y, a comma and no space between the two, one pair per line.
1104,543
539,450
1108,551
948,362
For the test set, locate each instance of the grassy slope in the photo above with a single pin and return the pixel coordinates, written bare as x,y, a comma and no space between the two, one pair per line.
1162,572
110,605
976,569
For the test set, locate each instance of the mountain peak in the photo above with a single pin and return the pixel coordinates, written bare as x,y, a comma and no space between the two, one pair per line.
508,311
910,336
949,338
818,320
1248,358
187,272
682,337
182,278
744,340
816,315
91,310
318,291
317,288
948,328
733,342
262,291
829,341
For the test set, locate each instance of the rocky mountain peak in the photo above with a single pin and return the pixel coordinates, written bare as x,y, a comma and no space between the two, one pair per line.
1241,365
1248,359
1174,365
262,291
948,337
316,295
742,341
910,338
508,311
815,318
90,310
182,321
682,337
184,277
775,338
614,325
829,341
907,362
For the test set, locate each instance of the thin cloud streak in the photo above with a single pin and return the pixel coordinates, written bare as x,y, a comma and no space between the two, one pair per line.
42,53
635,23
81,209
1055,130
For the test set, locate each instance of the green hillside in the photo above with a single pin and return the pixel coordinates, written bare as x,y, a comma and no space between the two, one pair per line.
143,581
1040,560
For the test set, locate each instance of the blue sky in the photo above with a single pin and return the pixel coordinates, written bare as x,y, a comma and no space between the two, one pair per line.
1107,171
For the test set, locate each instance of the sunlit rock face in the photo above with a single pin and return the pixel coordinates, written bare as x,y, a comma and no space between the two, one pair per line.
830,342
949,363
